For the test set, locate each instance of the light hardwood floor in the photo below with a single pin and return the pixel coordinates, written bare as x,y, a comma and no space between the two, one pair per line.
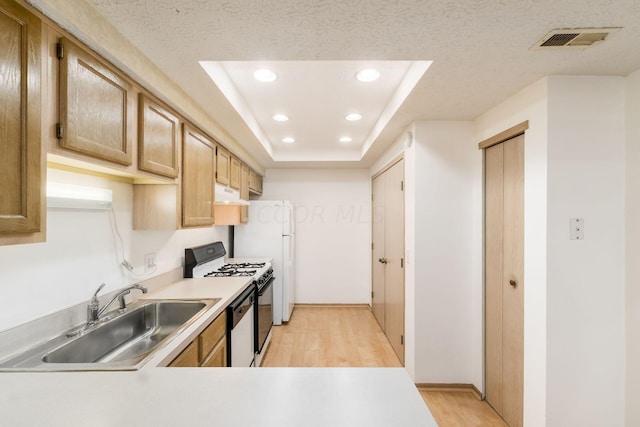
332,336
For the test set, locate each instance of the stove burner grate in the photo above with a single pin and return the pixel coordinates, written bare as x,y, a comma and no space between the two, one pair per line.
230,272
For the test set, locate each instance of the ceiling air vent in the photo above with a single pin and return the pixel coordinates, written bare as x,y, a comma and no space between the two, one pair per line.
574,38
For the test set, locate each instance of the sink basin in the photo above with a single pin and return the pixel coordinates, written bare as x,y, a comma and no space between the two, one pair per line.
122,342
129,336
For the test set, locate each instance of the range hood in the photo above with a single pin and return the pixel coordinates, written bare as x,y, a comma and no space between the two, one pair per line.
228,196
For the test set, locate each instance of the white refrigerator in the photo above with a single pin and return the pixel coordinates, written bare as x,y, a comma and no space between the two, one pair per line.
271,232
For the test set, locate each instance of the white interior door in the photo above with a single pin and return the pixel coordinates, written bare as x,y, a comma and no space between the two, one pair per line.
394,258
377,270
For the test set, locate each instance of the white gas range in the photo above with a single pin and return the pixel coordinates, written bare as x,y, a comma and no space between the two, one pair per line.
250,315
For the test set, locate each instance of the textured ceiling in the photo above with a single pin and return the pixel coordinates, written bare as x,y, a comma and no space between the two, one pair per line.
480,48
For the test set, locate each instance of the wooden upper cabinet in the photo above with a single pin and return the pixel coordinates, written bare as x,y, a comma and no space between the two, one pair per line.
255,183
158,138
244,193
198,169
235,175
20,119
223,164
96,106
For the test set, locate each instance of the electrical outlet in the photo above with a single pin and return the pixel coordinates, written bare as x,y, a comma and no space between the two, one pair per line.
149,262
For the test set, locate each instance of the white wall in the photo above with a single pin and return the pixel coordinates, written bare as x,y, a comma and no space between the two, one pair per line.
633,249
81,252
585,279
574,290
447,257
333,235
530,104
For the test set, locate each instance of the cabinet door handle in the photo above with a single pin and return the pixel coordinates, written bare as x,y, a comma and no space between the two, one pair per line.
382,260
512,283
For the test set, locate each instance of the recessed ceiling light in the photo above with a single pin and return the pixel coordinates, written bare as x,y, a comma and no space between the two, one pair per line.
264,75
280,117
346,139
288,140
353,117
368,75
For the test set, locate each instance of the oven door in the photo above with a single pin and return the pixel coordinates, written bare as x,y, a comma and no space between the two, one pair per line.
264,317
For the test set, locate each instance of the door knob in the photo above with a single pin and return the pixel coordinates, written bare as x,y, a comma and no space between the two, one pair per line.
512,283
382,260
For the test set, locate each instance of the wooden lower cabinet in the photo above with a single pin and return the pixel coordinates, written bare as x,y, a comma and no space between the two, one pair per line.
188,358
209,349
218,356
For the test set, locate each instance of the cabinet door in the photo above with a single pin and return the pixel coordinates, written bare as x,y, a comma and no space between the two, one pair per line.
20,119
223,164
235,175
259,184
188,358
158,138
198,167
255,183
95,106
244,194
210,337
218,356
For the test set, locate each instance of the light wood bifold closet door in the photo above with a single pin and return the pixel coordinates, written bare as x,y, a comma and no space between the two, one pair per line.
504,278
388,254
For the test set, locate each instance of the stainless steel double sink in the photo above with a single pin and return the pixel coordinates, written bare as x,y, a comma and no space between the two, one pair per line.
124,341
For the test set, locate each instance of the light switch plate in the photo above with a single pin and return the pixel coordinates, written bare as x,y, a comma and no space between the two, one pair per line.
149,262
576,228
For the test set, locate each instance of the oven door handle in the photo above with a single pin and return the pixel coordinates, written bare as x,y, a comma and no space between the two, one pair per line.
266,285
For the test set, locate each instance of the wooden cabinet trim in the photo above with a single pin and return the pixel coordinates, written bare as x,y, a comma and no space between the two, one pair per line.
503,136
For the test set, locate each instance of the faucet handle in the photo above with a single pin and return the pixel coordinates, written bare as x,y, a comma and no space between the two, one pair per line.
94,307
95,295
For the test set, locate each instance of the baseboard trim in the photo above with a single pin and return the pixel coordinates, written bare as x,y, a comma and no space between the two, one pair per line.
450,387
332,305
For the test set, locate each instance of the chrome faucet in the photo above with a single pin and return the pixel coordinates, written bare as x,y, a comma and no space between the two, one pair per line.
94,311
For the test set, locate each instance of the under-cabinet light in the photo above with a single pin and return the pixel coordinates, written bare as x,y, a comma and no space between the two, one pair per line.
70,196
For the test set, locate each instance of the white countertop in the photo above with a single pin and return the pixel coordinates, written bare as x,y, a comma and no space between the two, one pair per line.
235,397
158,396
